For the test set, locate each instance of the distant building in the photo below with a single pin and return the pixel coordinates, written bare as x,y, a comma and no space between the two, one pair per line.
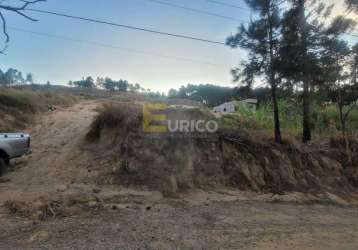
232,107
251,103
228,107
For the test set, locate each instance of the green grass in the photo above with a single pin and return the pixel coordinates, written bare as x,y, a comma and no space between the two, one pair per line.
325,119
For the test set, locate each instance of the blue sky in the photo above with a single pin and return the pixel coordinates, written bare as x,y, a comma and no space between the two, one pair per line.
60,60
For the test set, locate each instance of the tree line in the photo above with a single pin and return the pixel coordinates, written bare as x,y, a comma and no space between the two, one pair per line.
294,48
214,95
13,77
111,85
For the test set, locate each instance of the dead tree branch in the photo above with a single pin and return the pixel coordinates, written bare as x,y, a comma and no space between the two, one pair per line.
15,9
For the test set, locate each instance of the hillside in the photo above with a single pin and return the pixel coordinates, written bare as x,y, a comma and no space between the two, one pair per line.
92,165
19,108
225,159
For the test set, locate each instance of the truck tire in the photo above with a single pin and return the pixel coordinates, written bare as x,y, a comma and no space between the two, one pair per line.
3,166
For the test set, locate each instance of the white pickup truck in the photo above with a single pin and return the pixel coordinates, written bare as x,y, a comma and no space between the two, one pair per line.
12,145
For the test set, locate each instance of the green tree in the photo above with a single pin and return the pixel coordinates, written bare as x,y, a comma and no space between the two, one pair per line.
172,93
85,83
261,39
29,78
340,62
300,52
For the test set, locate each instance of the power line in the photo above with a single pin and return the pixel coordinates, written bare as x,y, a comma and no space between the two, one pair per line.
196,10
99,44
228,5
127,26
280,3
236,6
243,8
137,28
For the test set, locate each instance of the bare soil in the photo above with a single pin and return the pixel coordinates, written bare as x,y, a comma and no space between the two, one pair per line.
81,214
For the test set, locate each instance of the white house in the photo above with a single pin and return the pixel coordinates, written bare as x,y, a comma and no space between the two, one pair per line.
231,107
228,107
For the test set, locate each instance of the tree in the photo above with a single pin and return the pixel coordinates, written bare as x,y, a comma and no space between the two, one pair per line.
85,83
17,9
11,77
352,5
354,65
300,52
261,39
341,63
137,87
29,78
172,93
335,59
133,87
112,85
210,94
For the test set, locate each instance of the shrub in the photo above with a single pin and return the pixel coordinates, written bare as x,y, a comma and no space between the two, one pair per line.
124,117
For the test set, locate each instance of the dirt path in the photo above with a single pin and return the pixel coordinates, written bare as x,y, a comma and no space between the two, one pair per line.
177,225
137,219
54,141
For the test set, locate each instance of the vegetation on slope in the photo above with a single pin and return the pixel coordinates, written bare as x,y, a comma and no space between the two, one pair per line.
19,107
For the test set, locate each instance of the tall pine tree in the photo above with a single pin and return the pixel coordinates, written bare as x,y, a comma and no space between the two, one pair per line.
300,52
261,40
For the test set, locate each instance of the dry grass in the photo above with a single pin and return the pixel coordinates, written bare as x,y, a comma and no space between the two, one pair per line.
123,117
19,107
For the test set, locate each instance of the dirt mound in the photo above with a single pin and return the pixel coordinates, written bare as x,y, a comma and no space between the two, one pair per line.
178,163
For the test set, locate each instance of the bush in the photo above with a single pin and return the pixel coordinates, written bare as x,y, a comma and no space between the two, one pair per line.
124,117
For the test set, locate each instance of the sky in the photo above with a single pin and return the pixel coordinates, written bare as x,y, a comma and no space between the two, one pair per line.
58,50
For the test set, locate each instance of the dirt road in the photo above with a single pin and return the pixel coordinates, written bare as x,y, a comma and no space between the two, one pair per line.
176,225
140,219
54,141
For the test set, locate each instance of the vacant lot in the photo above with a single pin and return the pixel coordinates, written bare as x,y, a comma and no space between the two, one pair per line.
114,217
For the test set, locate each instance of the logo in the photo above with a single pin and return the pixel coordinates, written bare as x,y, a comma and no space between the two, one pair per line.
159,118
150,116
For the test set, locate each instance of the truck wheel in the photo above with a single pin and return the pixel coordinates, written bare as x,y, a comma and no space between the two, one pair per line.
3,166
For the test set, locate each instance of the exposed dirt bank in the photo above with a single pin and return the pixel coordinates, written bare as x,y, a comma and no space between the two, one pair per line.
173,163
70,194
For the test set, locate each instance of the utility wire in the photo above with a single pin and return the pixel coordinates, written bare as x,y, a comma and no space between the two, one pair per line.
196,10
228,5
127,26
99,44
136,28
236,6
239,7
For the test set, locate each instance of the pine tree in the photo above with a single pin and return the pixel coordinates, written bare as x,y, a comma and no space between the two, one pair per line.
300,52
261,40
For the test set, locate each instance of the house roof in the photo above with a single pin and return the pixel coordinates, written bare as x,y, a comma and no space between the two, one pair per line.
252,101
